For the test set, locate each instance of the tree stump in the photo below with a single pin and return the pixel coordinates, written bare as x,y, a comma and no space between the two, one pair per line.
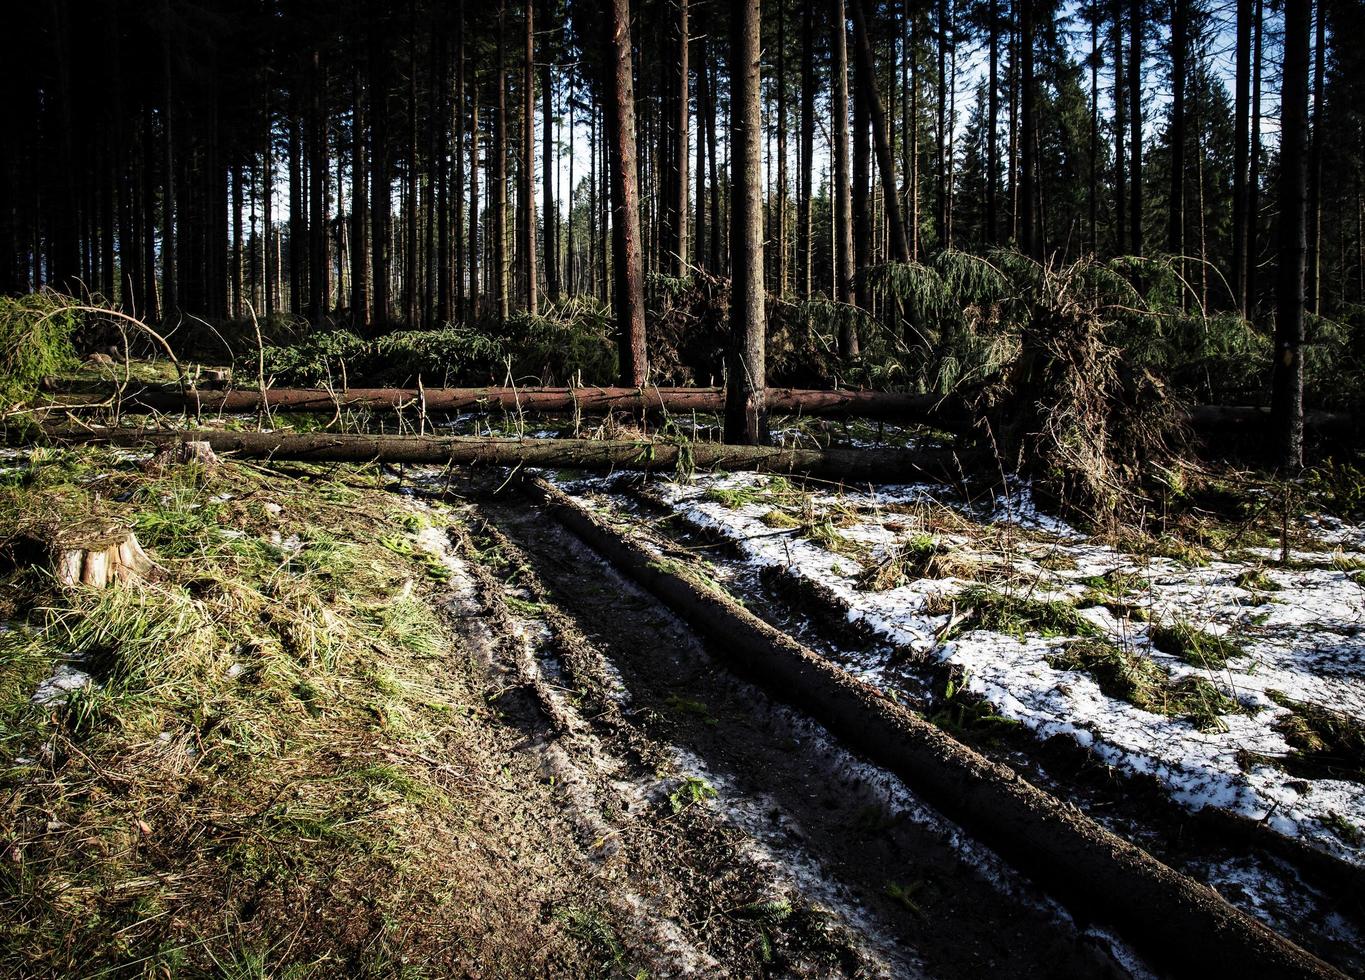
197,451
99,557
213,378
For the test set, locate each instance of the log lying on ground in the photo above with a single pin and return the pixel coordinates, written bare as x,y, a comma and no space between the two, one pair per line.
548,401
850,465
1179,924
875,405
1250,419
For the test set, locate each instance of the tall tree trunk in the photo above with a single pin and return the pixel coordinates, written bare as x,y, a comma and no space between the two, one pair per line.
236,242
941,176
843,183
528,164
380,186
1029,240
862,177
1135,122
499,190
1241,140
170,304
1092,190
410,217
713,173
458,218
549,170
1250,300
629,294
318,300
780,81
360,262
474,243
886,165
1179,52
803,204
1286,401
1120,135
680,128
993,124
745,412
699,225
1313,283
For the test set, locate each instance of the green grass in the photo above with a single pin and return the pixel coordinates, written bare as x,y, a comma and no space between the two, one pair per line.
1325,744
1127,675
1015,615
1193,645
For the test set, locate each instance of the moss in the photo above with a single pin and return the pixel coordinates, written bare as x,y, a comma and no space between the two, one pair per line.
1002,612
1126,675
779,519
1193,645
1256,580
1325,744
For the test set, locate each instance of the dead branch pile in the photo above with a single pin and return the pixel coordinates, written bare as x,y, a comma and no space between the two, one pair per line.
1094,434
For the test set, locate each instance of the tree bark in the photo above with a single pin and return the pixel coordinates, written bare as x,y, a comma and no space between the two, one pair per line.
1241,140
499,194
1029,240
858,465
629,292
746,417
886,166
1313,277
803,204
528,165
1179,50
1287,385
1135,123
843,182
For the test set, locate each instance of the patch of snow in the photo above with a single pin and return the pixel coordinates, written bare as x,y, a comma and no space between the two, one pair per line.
63,681
1306,641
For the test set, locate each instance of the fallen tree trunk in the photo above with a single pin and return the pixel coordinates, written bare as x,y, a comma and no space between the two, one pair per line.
1250,419
876,405
1183,926
549,401
852,465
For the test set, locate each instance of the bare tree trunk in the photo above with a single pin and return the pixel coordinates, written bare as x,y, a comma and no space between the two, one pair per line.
803,204
746,416
629,294
499,195
993,125
170,304
1135,121
474,243
1287,388
1313,285
360,273
678,172
886,165
458,218
317,204
1241,140
843,184
1029,240
1120,135
1179,51
1253,215
380,187
528,165
549,170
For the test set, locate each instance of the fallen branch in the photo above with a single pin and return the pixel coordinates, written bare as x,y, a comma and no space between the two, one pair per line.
1178,923
853,465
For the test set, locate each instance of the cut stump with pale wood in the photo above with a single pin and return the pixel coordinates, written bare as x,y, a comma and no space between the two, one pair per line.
99,557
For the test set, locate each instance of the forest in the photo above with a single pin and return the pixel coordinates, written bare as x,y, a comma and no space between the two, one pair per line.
631,488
